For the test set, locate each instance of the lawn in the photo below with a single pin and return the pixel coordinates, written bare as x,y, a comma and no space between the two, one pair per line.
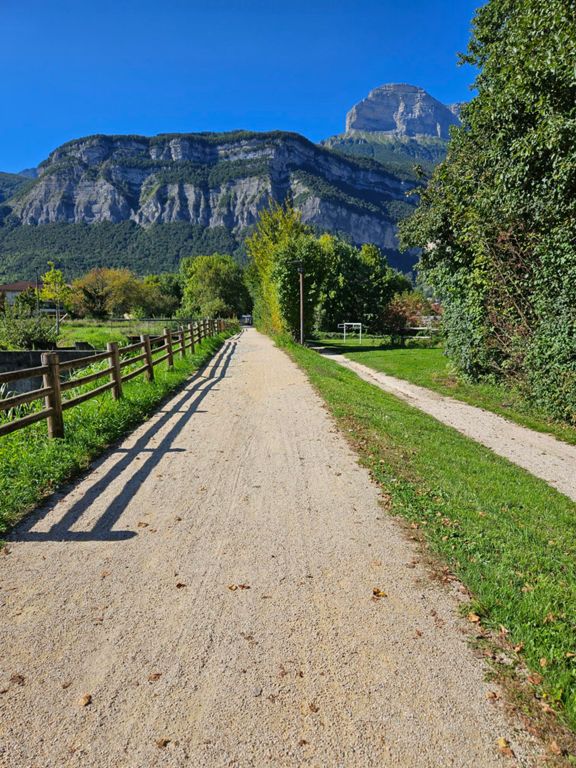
430,368
32,466
509,537
99,332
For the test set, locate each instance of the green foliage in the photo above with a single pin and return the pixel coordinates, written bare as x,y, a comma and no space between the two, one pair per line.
341,282
399,155
497,223
78,248
358,286
21,329
213,287
10,183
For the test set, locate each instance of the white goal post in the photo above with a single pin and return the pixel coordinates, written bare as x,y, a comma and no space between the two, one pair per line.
352,327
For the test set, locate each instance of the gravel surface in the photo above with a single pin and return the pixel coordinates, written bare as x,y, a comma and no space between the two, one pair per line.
204,597
540,454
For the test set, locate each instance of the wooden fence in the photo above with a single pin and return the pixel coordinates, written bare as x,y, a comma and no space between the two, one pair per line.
171,343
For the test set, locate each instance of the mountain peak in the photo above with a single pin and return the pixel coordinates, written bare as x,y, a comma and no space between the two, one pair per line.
404,110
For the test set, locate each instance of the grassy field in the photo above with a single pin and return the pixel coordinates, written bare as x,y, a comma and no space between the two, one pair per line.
99,332
509,537
429,368
32,466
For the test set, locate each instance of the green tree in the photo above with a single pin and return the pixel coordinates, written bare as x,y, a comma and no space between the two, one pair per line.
497,222
214,285
56,290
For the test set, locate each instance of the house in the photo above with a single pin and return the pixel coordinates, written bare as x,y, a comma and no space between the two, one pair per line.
9,291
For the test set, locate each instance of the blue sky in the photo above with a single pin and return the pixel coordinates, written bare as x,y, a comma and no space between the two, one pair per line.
72,68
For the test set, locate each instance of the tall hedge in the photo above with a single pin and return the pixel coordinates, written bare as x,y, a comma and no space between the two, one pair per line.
497,222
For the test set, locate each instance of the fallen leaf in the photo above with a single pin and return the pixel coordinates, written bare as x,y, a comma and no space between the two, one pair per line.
418,633
178,519
570,655
378,592
18,679
503,631
142,524
180,584
162,743
232,587
154,676
243,586
519,648
473,617
554,747
504,747
104,574
86,700
67,684
302,743
535,678
313,707
493,695
543,662
546,708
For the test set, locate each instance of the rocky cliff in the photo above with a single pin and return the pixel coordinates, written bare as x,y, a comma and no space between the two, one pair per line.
402,110
216,182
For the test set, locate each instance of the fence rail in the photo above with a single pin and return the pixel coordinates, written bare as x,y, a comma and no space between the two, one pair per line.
170,341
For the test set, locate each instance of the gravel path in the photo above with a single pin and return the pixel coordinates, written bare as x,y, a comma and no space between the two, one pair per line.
542,455
204,597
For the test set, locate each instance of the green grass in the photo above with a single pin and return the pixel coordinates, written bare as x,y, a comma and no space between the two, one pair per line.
430,368
32,466
99,332
508,536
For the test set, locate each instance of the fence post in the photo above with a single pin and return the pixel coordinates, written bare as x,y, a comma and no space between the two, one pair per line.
115,374
192,345
145,339
182,341
199,328
168,342
53,399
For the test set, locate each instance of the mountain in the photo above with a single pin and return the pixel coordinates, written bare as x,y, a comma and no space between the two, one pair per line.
401,109
399,126
10,183
145,202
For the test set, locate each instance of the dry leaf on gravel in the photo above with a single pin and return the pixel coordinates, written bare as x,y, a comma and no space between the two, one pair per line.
378,593
535,678
554,747
154,676
492,695
232,587
473,617
86,700
18,679
162,743
504,747
313,707
142,524
180,584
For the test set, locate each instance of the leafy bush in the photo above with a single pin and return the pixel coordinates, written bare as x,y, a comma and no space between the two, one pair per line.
497,222
24,330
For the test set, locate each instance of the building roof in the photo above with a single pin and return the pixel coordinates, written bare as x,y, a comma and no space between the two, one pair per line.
21,285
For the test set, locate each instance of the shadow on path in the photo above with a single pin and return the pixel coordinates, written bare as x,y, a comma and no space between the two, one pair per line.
183,407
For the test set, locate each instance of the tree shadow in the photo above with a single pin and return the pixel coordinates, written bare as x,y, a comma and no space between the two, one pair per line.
187,404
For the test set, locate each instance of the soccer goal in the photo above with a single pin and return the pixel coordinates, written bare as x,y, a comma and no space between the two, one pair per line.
351,329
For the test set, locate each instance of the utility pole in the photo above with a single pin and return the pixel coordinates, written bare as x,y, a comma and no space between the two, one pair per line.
301,273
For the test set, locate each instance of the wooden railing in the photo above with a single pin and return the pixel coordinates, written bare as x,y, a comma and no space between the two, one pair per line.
146,351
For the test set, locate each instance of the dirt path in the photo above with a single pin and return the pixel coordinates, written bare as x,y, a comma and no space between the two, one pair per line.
122,591
542,455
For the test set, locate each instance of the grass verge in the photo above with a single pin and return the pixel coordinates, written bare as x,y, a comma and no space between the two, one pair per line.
428,367
509,537
32,466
